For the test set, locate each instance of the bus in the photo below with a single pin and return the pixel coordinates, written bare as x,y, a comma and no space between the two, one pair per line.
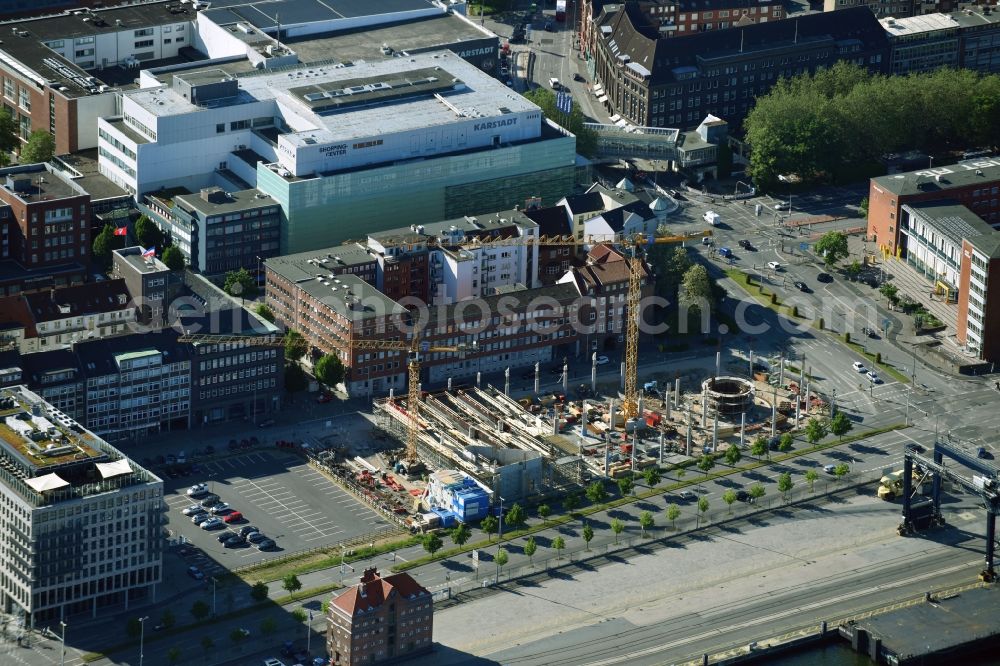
560,10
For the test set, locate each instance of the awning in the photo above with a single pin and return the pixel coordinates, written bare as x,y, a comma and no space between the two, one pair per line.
116,468
47,482
602,99
615,118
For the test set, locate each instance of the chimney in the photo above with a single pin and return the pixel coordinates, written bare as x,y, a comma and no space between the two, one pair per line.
369,575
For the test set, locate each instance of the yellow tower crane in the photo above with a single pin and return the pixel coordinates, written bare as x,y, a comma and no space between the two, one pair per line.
414,349
632,243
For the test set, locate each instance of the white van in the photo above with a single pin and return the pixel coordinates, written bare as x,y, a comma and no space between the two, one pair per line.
712,217
554,83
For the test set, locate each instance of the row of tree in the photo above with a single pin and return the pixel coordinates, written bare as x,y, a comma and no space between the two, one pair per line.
146,234
824,126
586,139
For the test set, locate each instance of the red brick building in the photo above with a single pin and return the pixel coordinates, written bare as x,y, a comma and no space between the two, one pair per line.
973,183
380,619
44,231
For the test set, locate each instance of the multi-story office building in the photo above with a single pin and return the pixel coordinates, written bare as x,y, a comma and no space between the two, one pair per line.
651,81
223,231
381,619
959,256
968,39
80,525
881,8
151,284
46,233
320,142
973,183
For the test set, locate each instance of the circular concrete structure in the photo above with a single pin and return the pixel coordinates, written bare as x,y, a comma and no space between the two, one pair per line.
729,395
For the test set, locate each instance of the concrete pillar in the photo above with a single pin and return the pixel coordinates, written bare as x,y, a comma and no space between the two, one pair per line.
392,394
583,421
566,379
704,410
718,363
677,392
688,448
781,372
449,384
506,381
667,403
607,452
798,409
743,429
715,431
662,446
479,380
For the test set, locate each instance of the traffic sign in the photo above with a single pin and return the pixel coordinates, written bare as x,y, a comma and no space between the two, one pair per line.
475,559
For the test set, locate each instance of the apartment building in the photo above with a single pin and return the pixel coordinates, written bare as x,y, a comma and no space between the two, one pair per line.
379,620
80,525
881,8
45,235
60,317
652,81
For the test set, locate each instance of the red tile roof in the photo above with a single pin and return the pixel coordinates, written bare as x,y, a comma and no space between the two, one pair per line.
373,591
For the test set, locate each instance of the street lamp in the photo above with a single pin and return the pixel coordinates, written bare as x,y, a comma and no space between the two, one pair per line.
499,539
62,658
142,636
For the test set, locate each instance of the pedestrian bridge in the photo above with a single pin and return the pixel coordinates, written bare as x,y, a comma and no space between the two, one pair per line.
621,140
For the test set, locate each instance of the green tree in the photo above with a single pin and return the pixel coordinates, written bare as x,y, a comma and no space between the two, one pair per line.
854,269
670,263
489,524
133,628
174,655
617,526
558,543
729,497
646,521
733,455
815,430
832,247
757,491
785,484
268,626
840,425
240,283
785,442
461,534
759,447
530,548
891,293
572,501
207,644
40,148
259,591
841,470
200,610
596,492
104,242
625,485
706,463
702,508
329,370
586,138
147,233
652,476
295,345
544,511
696,291
291,584
168,619
432,543
673,513
811,477
262,310
173,258
515,517
588,534
299,615
9,135
502,557
295,378
863,208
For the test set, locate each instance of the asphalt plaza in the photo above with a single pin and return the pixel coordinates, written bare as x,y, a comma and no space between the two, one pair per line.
279,493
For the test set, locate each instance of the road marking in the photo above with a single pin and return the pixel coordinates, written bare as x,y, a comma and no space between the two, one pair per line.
782,614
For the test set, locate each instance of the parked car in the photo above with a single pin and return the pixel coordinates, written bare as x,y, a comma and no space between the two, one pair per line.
824,277
603,360
744,496
686,495
220,508
210,500
829,469
196,573
233,517
859,367
221,538
198,518
577,77
706,240
801,286
873,377
725,253
266,544
234,541
256,537
197,490
211,523
774,265
193,509
782,205
246,530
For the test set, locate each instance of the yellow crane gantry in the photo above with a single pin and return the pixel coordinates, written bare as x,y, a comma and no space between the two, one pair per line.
414,348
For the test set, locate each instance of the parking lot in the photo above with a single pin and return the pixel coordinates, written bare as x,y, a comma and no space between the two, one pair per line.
276,492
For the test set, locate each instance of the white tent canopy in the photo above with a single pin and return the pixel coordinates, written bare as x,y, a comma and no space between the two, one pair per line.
116,468
47,482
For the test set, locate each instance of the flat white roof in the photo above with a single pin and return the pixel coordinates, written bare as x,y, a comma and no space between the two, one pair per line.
917,24
471,94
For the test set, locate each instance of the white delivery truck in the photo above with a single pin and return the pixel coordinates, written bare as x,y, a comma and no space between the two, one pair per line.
712,217
554,83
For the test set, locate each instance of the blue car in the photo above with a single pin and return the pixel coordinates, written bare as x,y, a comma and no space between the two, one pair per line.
725,253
